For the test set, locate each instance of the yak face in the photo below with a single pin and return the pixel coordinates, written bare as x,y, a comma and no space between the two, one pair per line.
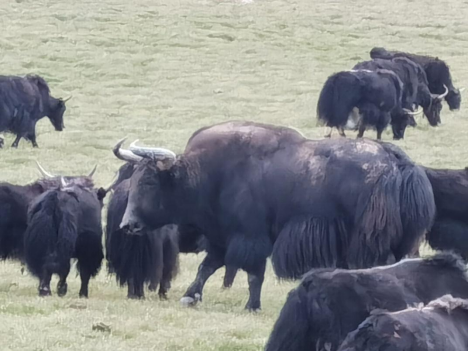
146,205
454,99
433,112
399,123
56,110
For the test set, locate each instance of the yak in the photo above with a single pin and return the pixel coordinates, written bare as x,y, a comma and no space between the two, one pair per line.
257,190
150,257
450,229
328,304
440,325
437,72
364,98
14,203
64,223
23,102
415,89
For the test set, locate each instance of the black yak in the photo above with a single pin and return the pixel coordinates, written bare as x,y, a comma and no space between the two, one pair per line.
149,257
14,202
450,229
415,90
257,190
361,99
64,223
328,304
23,102
437,72
440,325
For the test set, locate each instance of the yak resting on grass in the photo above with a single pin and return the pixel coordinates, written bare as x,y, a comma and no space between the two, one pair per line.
437,72
450,229
359,99
64,223
415,91
14,202
149,257
23,102
257,190
441,325
328,304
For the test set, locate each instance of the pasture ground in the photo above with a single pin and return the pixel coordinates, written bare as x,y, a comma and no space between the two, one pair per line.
158,70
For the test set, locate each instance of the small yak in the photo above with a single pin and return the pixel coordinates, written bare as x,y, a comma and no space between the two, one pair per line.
329,304
257,190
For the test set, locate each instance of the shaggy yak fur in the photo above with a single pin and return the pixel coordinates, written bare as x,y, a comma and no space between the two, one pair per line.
150,257
14,202
450,229
64,223
437,72
375,94
23,102
441,325
328,304
415,90
257,190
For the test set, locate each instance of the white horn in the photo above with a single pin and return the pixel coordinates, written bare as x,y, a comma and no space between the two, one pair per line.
413,113
67,98
151,152
90,175
43,171
441,96
125,155
461,90
63,182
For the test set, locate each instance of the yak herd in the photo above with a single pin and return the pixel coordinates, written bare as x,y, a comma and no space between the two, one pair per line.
346,216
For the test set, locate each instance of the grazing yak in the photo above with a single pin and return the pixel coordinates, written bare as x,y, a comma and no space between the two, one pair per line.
328,304
437,72
415,90
14,202
23,102
149,257
257,190
361,99
450,229
440,325
64,223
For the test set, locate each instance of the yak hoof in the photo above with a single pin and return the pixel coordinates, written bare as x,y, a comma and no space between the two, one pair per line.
254,310
62,290
44,292
163,296
188,301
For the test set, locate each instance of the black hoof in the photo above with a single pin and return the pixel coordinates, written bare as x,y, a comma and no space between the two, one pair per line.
44,292
62,290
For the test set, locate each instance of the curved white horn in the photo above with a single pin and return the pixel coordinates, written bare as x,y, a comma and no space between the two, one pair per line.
151,152
90,175
67,98
413,113
461,90
63,182
43,171
441,96
125,155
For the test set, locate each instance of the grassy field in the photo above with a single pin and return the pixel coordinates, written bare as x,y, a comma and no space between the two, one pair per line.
158,70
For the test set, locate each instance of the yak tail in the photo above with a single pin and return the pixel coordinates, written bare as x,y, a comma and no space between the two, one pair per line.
291,330
51,236
307,243
340,94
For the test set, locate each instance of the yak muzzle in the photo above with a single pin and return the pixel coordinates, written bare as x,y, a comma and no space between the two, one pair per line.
130,225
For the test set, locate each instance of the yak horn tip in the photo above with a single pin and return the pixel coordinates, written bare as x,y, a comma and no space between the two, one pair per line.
67,98
133,144
43,171
63,182
93,171
461,90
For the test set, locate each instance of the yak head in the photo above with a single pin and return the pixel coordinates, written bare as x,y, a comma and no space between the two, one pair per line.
56,111
454,99
402,120
148,203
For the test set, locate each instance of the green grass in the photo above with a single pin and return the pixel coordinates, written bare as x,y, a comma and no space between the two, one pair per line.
158,70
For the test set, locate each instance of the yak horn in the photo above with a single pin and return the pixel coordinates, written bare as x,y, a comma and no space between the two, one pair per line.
112,183
441,96
43,171
151,152
125,155
90,175
461,90
63,182
67,98
413,113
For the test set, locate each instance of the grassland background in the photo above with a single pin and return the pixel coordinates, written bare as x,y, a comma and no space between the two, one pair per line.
159,70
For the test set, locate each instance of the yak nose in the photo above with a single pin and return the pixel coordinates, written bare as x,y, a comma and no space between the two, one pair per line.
129,223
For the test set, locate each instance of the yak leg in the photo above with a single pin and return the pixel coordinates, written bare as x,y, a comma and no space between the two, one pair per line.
256,278
362,129
328,132
2,141
44,284
16,142
341,131
62,286
32,137
170,264
135,291
229,276
207,268
85,277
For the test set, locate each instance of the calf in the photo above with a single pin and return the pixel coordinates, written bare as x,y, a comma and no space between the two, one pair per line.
328,304
64,223
441,325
